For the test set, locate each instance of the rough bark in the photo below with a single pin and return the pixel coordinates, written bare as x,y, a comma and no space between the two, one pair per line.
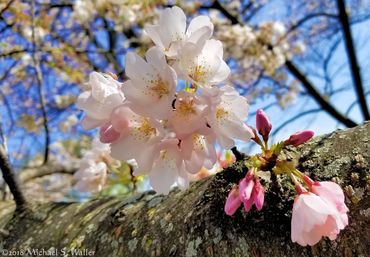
192,223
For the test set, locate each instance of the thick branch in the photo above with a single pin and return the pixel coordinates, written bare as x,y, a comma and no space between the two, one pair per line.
318,97
351,53
192,223
9,178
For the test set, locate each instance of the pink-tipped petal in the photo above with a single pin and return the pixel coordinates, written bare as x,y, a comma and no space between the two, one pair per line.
232,202
333,195
248,203
246,186
259,195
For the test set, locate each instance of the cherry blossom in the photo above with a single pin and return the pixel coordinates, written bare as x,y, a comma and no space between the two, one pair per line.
91,177
203,65
138,137
314,218
168,167
226,117
170,134
102,96
151,83
92,173
170,34
198,151
188,114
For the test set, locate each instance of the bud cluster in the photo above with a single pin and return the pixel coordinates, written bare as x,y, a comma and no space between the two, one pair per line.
317,212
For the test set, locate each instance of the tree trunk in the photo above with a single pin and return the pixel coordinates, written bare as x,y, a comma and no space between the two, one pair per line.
192,223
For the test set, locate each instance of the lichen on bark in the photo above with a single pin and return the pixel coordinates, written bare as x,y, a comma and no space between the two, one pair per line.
192,222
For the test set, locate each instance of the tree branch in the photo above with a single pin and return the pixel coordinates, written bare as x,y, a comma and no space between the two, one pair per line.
316,95
9,179
351,53
218,6
39,87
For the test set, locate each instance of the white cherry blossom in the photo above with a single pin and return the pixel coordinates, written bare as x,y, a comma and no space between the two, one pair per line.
168,167
152,85
198,151
171,33
92,173
98,102
188,115
203,65
226,117
138,137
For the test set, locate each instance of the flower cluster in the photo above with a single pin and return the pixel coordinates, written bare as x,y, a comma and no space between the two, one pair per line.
262,50
317,212
170,132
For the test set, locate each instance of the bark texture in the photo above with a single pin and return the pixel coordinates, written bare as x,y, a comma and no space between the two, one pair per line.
192,223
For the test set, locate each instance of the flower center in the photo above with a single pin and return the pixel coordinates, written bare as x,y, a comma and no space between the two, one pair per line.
221,113
198,73
159,88
145,130
185,107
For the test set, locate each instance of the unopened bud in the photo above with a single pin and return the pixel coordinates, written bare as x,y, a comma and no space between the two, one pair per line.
263,124
299,138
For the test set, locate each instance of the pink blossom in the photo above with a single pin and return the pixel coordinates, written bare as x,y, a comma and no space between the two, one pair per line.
314,217
333,195
299,138
251,192
263,124
233,201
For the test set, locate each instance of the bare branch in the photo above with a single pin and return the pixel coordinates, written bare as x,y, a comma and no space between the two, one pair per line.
351,53
318,97
6,7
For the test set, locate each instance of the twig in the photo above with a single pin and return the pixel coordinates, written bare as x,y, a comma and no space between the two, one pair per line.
238,155
318,97
355,69
6,7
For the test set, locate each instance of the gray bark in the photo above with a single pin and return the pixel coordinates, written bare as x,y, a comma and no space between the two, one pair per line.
192,223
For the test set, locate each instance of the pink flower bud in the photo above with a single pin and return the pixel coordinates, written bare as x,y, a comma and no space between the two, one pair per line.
299,138
263,124
232,202
251,192
108,134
